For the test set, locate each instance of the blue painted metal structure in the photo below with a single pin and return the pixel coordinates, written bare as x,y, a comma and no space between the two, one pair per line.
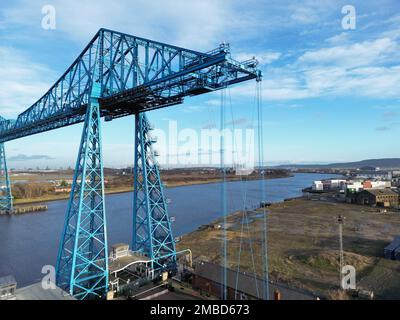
134,75
152,233
6,199
82,264
118,75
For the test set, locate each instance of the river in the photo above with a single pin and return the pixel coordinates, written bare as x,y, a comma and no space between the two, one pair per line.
30,241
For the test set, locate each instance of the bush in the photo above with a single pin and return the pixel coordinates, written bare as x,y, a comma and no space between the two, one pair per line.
31,190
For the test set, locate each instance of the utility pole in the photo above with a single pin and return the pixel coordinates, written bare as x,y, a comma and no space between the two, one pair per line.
340,220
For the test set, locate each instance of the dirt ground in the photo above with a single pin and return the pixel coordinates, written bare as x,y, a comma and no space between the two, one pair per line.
303,243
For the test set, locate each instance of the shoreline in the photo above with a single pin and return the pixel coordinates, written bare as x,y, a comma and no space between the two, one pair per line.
22,202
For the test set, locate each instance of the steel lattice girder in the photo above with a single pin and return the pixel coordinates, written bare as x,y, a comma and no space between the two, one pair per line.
134,74
6,199
82,264
152,232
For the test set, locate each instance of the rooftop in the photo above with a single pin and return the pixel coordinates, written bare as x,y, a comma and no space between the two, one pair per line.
380,192
123,262
248,283
37,292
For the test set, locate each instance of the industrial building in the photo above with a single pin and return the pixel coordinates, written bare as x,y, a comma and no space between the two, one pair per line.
366,192
354,185
36,291
132,273
380,184
128,270
207,278
8,285
374,174
327,185
377,197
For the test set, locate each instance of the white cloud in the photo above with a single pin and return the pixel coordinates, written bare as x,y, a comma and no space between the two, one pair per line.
366,68
199,25
194,24
263,58
213,102
305,15
311,11
286,88
22,81
393,19
357,54
275,87
340,38
392,33
191,108
363,69
372,82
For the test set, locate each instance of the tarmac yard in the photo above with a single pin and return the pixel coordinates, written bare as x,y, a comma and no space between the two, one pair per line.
303,246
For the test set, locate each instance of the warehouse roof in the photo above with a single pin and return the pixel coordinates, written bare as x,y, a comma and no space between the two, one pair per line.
247,283
37,292
381,192
121,263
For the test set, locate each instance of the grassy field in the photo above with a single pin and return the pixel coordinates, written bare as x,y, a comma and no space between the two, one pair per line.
303,246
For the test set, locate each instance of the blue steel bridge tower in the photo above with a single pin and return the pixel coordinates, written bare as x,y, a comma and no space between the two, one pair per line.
152,232
6,199
82,264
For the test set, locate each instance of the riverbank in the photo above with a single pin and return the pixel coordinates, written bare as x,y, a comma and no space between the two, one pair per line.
303,246
187,182
63,196
22,209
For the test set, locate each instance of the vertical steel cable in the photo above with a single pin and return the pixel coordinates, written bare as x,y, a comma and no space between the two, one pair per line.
245,220
262,182
224,293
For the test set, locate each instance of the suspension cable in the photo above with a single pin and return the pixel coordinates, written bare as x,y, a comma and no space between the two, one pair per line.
261,168
224,286
244,220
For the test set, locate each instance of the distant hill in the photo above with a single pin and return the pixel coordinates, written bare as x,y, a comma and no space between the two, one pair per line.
381,163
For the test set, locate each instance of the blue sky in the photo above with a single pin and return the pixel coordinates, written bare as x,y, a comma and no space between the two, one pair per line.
329,94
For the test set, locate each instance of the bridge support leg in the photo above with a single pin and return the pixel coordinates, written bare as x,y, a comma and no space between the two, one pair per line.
6,199
152,233
82,264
